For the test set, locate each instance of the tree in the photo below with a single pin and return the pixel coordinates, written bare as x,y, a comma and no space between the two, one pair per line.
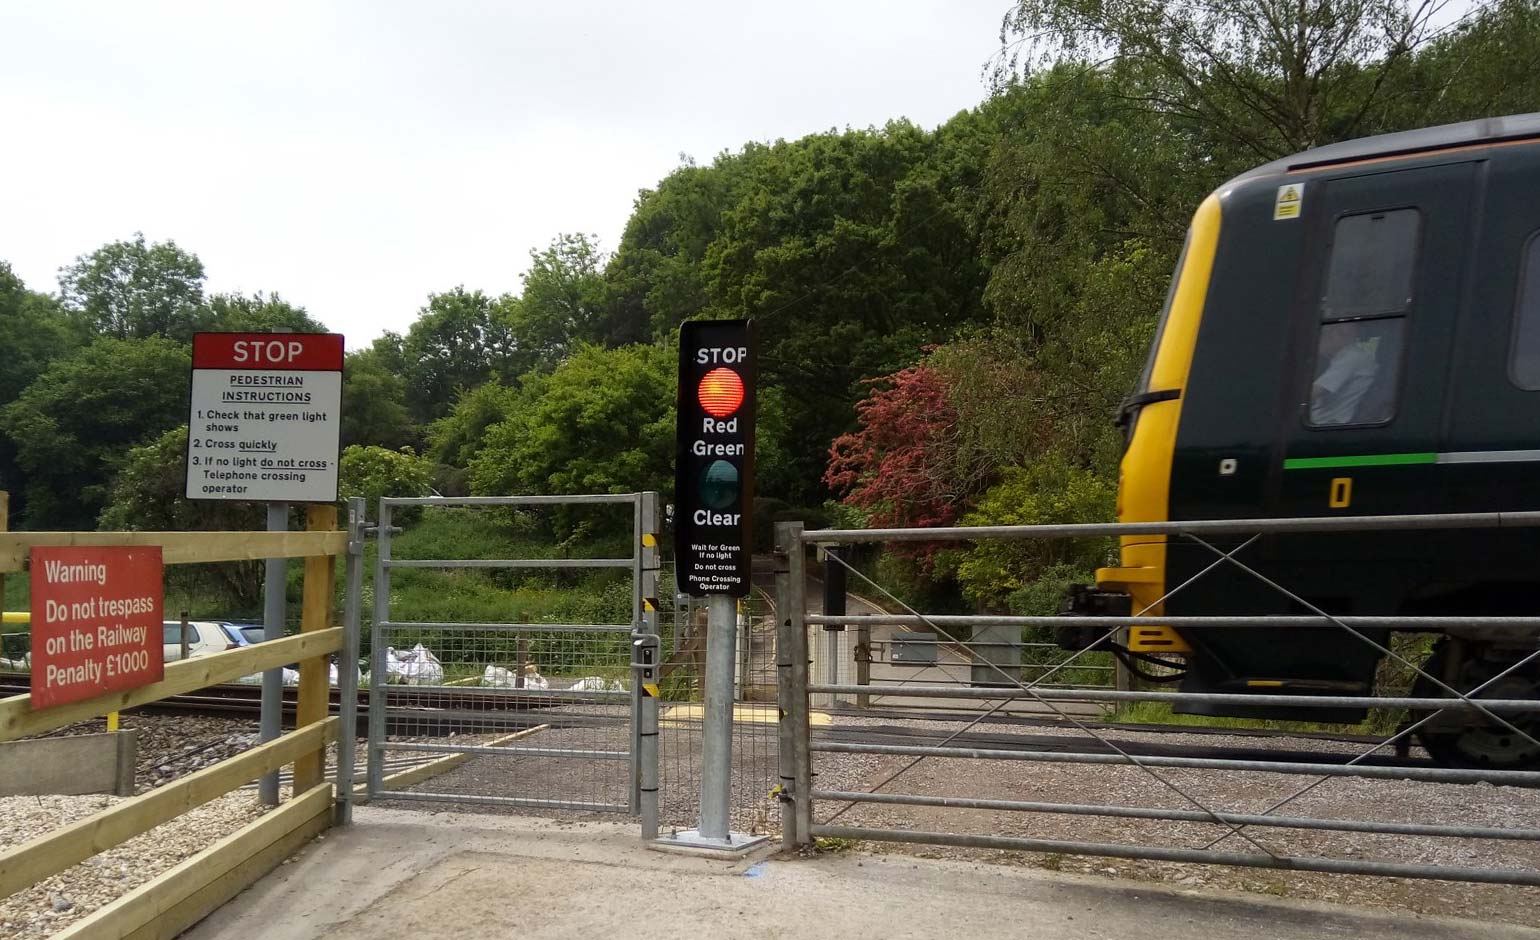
258,313
148,493
1266,77
455,439
74,424
373,472
374,402
852,250
563,303
36,332
602,422
1029,576
459,340
130,289
900,466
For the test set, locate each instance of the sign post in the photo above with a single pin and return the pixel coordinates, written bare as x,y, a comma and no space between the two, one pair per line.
96,621
713,540
266,425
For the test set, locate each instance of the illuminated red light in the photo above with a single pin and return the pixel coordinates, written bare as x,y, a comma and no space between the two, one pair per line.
720,392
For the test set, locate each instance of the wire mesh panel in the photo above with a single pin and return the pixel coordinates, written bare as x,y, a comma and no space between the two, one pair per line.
506,655
682,625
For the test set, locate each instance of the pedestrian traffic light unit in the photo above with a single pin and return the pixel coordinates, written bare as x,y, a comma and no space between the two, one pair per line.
714,469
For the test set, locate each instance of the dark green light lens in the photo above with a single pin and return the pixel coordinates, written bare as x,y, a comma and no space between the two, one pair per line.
718,485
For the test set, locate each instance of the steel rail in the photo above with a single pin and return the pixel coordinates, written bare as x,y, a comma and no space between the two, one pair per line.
576,753
452,501
1501,876
506,627
424,796
1528,778
1184,815
508,563
1212,698
1203,622
1453,520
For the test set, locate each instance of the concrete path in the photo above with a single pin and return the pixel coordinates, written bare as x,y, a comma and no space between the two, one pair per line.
414,876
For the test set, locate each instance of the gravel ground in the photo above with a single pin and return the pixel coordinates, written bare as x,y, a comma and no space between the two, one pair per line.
55,902
172,746
1355,798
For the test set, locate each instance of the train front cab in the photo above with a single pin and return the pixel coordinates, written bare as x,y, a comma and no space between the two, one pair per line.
1354,331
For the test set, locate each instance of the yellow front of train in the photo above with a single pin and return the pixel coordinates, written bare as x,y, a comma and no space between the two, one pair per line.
1144,478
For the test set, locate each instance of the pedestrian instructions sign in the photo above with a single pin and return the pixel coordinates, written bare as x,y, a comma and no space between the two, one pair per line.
96,621
265,421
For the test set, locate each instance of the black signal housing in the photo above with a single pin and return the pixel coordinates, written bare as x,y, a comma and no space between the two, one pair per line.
714,463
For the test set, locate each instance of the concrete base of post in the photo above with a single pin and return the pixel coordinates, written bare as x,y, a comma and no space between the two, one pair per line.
691,842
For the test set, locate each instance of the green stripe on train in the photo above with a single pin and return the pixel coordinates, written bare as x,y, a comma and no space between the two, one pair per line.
1361,460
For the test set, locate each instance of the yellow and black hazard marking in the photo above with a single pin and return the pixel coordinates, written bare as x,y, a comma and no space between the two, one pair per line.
650,604
650,690
1289,201
649,540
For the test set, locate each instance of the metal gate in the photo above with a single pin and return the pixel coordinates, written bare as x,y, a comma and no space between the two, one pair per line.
1366,806
506,704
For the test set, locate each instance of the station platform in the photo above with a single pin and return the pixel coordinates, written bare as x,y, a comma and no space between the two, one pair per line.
397,874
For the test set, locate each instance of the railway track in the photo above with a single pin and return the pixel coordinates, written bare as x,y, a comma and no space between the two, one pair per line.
444,711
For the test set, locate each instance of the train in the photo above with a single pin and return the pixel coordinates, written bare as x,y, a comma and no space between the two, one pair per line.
1352,330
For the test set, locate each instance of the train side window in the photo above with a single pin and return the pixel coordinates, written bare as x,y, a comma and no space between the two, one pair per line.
1526,338
1373,255
1357,365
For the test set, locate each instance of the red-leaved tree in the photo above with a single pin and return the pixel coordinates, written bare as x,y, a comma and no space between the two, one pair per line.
901,465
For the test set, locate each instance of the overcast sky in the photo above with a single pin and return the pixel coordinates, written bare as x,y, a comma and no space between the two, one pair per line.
354,157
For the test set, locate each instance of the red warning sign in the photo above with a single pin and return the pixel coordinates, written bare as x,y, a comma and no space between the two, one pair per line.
96,621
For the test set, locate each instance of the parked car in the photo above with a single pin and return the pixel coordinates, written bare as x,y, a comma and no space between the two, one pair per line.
203,637
243,633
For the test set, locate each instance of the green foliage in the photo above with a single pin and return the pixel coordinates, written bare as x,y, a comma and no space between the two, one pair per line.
374,408
130,289
455,439
74,424
373,472
147,494
603,422
258,313
563,303
459,340
1022,575
36,330
1259,77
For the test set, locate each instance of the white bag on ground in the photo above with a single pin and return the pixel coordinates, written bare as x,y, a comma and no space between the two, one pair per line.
290,677
597,684
417,666
499,677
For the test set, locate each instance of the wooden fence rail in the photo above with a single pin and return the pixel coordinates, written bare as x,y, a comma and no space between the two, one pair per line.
175,900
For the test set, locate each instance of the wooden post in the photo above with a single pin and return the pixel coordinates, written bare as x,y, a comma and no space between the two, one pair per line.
5,524
314,674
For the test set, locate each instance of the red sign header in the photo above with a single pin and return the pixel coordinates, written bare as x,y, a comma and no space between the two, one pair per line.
292,352
96,621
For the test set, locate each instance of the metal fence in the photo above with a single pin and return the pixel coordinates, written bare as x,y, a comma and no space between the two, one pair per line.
753,771
529,714
1202,809
855,642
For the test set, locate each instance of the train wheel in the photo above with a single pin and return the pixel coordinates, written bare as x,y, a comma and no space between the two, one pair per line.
1471,739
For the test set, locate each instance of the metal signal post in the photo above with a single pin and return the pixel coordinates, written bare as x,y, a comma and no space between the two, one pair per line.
713,538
